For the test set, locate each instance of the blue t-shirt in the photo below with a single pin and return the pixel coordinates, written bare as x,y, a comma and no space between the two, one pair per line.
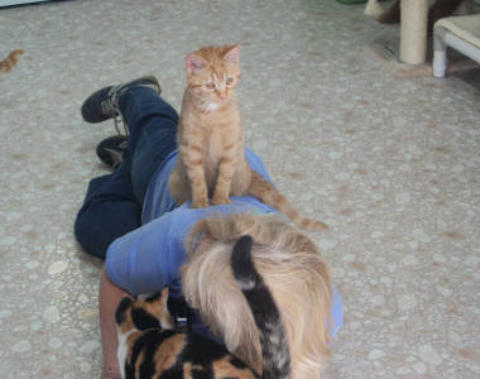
149,258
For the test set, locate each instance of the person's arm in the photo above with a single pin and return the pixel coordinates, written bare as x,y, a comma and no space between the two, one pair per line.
109,298
141,262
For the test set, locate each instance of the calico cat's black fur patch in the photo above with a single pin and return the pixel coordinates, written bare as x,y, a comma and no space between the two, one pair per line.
122,309
273,339
144,320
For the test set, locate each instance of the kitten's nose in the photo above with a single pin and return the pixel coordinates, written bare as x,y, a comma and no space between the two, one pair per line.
222,95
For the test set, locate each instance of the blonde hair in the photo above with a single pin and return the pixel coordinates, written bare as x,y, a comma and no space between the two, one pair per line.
293,270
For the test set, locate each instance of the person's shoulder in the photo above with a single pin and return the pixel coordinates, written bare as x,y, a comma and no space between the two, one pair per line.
183,217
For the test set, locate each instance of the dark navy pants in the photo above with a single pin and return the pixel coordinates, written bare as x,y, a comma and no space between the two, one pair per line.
113,204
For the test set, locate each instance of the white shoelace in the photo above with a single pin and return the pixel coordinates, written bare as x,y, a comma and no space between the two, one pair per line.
110,107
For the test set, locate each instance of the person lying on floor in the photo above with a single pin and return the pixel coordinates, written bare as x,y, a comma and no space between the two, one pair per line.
129,219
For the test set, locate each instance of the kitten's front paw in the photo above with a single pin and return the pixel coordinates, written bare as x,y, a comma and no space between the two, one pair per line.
220,200
199,204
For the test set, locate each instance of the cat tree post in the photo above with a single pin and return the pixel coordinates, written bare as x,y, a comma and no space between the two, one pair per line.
413,35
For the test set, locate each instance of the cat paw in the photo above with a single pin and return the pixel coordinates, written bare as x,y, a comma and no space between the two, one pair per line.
199,204
220,200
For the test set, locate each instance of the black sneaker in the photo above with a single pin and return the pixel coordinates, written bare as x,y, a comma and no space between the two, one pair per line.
103,104
112,150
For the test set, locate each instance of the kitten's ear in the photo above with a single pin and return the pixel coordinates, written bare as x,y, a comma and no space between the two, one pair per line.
194,64
233,55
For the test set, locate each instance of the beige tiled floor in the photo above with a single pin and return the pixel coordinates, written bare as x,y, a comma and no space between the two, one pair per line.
393,165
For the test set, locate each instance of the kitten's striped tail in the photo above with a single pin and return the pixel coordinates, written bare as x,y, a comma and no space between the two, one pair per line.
7,64
261,188
273,338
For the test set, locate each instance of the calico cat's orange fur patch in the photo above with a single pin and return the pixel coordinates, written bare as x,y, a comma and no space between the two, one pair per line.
167,353
225,369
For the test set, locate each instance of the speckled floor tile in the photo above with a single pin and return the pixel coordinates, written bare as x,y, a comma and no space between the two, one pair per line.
393,165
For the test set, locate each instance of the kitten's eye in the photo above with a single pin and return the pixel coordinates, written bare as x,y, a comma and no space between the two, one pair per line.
210,85
229,81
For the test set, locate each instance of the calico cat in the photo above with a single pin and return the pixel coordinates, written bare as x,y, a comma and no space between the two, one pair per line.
146,350
12,60
211,141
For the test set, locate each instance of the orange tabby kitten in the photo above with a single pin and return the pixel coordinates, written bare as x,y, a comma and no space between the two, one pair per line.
211,140
7,64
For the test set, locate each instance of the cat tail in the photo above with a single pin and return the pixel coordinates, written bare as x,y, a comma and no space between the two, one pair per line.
7,64
273,338
262,189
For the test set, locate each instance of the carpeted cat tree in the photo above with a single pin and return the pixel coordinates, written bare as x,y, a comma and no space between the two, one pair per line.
413,35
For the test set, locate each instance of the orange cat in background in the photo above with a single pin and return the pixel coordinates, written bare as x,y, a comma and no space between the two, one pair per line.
7,64
211,141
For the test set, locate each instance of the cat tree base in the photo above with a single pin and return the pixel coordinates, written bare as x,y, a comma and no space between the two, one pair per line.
387,51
